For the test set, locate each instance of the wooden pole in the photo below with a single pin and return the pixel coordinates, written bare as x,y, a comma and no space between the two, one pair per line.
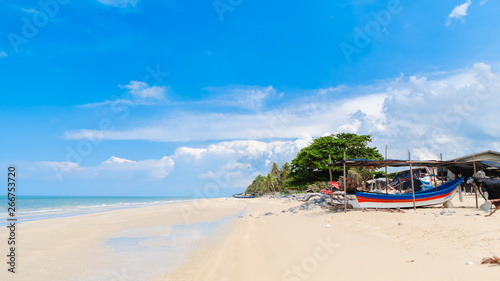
386,179
434,178
460,196
331,177
442,170
329,167
412,185
475,187
345,188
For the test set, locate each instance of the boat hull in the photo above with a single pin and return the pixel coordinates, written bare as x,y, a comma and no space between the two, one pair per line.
244,197
440,195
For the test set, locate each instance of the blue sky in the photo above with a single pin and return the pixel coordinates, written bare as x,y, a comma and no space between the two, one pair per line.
196,98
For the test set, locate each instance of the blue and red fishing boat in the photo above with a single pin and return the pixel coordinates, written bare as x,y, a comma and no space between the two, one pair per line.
435,196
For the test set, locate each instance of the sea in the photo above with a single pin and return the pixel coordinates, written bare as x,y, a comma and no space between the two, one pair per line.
30,208
143,253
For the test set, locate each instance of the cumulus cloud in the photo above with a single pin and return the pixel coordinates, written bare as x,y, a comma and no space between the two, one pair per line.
234,164
449,113
224,165
114,167
251,149
156,169
459,12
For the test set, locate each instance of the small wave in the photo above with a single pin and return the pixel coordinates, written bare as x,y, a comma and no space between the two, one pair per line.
62,207
40,211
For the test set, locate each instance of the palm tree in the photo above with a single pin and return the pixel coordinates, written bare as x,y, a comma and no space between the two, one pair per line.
275,176
360,174
270,183
275,170
285,171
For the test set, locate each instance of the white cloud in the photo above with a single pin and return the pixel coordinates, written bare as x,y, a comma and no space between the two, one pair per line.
233,164
227,165
111,102
459,12
450,113
332,90
482,2
59,168
3,54
119,3
156,169
295,121
114,167
115,160
442,112
139,93
246,97
142,90
196,153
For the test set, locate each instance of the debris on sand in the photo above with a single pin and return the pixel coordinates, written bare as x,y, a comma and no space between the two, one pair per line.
493,260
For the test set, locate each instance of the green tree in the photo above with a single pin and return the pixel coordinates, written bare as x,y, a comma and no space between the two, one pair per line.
275,172
311,163
284,173
270,183
258,185
273,181
361,175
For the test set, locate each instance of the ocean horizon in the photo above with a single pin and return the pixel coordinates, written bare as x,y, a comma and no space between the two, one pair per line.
38,207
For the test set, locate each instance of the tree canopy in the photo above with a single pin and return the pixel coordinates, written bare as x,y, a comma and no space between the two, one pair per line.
311,163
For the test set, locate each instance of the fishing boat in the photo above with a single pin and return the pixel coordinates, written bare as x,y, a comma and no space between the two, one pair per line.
490,183
435,196
242,196
426,197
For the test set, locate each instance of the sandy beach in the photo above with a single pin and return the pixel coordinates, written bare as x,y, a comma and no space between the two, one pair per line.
233,239
128,244
422,245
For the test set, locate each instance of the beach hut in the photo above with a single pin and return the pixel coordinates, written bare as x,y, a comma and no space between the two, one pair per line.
489,155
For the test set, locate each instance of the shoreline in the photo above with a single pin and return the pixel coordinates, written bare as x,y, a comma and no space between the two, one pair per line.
28,214
135,242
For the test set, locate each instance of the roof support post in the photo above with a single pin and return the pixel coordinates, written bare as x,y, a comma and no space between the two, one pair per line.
345,188
475,186
412,184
